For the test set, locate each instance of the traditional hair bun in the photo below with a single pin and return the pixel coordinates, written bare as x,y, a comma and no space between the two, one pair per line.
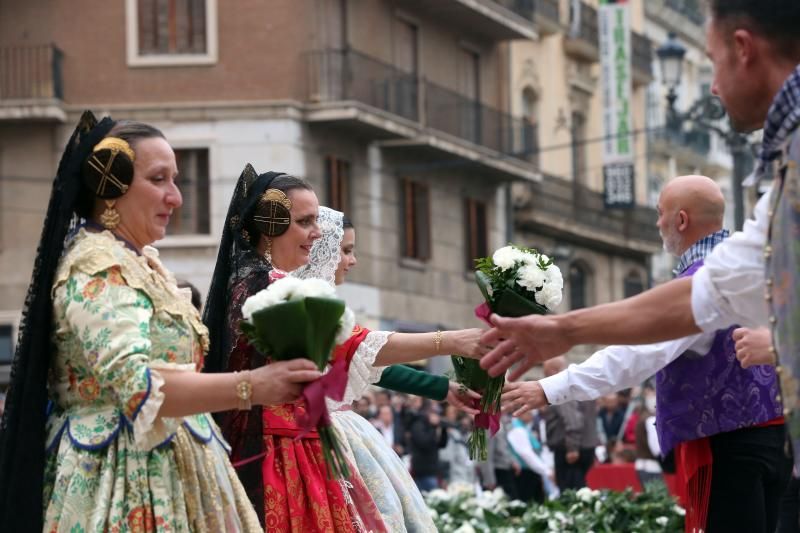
108,171
272,215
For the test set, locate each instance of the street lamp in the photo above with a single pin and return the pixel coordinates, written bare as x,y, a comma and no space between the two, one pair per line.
670,54
702,114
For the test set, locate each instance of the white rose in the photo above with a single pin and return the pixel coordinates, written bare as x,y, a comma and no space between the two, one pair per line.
662,521
505,257
284,289
531,277
346,324
554,277
584,494
315,288
256,302
549,296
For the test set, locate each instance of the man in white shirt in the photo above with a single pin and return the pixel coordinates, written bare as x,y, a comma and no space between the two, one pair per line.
722,420
755,49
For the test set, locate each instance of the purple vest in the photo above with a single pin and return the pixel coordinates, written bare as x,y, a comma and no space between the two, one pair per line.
699,395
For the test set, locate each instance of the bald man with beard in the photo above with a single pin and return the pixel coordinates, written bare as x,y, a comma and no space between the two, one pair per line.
723,421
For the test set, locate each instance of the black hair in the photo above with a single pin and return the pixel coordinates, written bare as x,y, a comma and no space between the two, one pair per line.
347,223
283,182
129,131
775,20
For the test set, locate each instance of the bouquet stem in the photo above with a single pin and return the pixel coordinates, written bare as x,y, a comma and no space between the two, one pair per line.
335,459
489,406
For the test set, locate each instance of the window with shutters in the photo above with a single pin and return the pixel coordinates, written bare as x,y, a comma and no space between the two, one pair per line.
416,220
171,32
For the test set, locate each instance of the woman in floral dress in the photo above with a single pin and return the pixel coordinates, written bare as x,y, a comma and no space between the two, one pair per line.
127,444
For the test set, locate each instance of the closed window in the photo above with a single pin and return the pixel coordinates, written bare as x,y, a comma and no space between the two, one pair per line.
416,220
172,26
477,231
192,218
578,286
337,179
171,32
633,284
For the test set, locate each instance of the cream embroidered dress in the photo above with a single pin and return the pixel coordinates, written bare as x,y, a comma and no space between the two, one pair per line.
112,463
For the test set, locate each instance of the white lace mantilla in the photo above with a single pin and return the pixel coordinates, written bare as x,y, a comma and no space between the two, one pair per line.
362,374
326,251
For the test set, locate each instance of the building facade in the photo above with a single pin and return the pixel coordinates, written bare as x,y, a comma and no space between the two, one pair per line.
604,254
443,129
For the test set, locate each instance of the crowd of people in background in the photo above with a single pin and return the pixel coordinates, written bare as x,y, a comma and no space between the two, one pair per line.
532,457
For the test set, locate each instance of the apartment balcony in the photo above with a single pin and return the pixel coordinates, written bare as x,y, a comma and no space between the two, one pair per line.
690,148
641,59
685,17
378,101
496,20
559,208
31,83
548,16
582,34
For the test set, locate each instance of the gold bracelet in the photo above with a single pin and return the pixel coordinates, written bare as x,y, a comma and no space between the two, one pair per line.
437,340
244,391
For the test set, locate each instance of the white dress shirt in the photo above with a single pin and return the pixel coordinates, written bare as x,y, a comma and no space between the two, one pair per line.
615,368
729,288
519,440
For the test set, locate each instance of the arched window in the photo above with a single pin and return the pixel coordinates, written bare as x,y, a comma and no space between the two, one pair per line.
529,130
578,285
633,283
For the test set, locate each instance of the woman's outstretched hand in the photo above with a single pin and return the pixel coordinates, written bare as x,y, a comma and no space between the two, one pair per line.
462,398
465,342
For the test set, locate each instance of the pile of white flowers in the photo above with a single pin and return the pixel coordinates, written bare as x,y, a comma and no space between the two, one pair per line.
547,283
460,510
291,289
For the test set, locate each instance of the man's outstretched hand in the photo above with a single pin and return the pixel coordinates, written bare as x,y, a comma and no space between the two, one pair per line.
527,340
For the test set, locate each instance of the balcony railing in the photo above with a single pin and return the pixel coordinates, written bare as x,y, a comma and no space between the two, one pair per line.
558,199
523,8
468,119
583,32
642,54
30,72
349,75
696,140
587,28
691,9
548,9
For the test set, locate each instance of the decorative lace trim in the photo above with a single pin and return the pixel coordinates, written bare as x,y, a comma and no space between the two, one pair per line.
95,252
362,373
149,429
326,251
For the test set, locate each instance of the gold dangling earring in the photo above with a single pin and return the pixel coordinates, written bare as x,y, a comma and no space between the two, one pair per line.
110,217
268,251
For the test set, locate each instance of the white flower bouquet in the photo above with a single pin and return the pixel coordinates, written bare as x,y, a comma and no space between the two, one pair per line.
515,281
294,318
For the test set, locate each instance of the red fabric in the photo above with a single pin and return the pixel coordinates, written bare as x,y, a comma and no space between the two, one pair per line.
621,476
348,348
774,422
693,466
629,435
299,497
